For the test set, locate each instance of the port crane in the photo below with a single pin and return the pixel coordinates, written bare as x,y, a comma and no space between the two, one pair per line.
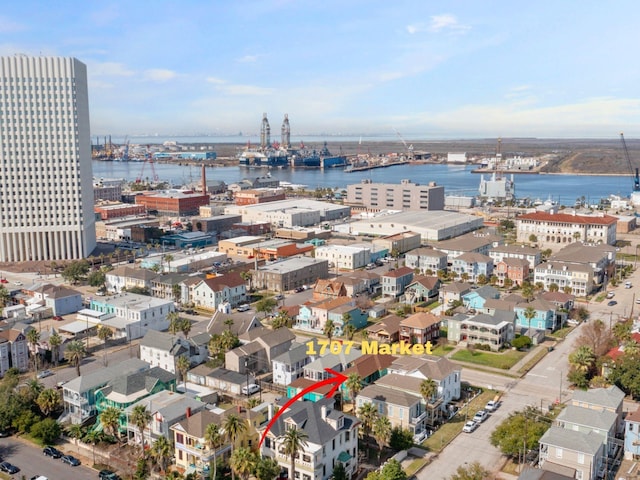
408,147
636,176
148,158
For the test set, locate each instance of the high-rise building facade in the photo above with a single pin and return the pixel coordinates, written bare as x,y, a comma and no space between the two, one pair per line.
46,188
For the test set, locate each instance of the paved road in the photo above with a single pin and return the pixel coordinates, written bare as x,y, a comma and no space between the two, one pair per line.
32,462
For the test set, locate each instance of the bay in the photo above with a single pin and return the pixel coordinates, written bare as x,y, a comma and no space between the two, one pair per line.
457,179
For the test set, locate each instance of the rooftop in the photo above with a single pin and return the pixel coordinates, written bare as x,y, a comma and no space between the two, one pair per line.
291,264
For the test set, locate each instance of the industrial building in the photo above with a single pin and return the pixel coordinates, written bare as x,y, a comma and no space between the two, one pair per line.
215,224
398,243
258,195
173,202
393,196
300,212
108,210
290,274
45,160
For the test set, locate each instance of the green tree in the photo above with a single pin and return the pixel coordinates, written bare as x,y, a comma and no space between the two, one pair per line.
93,437
25,420
110,421
176,292
625,373
75,352
382,433
554,287
104,334
339,473
329,329
48,401
281,320
182,365
582,359
75,431
267,468
401,439
75,271
527,291
622,331
367,413
31,389
529,313
174,322
33,338
140,417
161,453
247,276
242,462
353,385
474,471
266,305
168,258
185,327
521,342
5,296
55,340
142,470
233,426
482,279
392,470
293,441
97,278
213,438
533,238
523,428
47,431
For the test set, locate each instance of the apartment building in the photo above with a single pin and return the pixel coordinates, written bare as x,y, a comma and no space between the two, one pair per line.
389,196
290,274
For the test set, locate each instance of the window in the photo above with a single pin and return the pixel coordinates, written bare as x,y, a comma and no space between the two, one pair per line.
558,453
581,458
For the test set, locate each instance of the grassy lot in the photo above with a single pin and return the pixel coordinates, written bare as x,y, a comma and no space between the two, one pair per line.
562,333
504,360
534,360
442,350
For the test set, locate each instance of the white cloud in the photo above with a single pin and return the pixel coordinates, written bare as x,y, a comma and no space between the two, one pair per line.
215,80
447,22
160,74
9,26
248,59
412,29
245,90
110,69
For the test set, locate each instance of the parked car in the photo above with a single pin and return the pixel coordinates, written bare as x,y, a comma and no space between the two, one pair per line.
58,318
18,282
470,426
108,475
9,468
71,460
278,297
612,303
611,294
628,284
420,437
250,389
480,416
51,452
492,405
4,280
5,433
244,308
299,289
45,374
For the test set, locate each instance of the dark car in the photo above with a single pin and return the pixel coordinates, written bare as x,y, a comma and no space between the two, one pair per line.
5,433
108,475
9,468
51,452
612,303
70,459
58,318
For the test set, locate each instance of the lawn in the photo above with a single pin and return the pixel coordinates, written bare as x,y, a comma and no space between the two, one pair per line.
504,360
441,350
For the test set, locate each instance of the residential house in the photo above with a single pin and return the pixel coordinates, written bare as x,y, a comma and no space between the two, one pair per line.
533,256
162,349
476,242
507,303
544,317
328,289
576,278
599,399
600,257
354,287
402,408
210,293
347,314
472,265
166,408
370,279
369,368
79,394
585,420
453,292
313,316
421,289
581,452
516,270
125,278
331,438
632,435
14,351
238,326
532,473
395,281
219,379
386,330
476,299
562,301
192,453
127,389
171,286
421,327
60,300
427,260
259,347
289,365
398,243
496,330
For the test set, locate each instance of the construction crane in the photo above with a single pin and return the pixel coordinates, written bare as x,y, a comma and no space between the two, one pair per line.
408,147
636,176
148,158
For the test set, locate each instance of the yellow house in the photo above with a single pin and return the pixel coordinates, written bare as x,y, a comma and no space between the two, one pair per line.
191,450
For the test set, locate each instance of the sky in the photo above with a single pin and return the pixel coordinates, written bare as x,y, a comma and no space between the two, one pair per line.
415,68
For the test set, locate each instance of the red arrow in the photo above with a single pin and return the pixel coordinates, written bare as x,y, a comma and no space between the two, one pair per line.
337,379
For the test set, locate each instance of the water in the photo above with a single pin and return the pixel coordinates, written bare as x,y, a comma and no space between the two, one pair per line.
564,189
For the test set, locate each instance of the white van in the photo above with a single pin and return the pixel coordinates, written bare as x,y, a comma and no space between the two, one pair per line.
628,284
250,389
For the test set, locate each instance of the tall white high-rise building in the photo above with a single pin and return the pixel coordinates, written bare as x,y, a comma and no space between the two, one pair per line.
46,190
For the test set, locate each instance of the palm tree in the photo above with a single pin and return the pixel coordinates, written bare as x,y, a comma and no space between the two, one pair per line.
48,401
32,389
162,452
75,431
582,359
33,338
213,439
428,388
110,421
233,426
104,334
168,258
182,365
185,327
5,296
354,385
140,418
247,276
176,291
55,340
382,433
93,437
529,314
368,413
527,291
293,440
174,322
348,331
329,329
75,352
242,462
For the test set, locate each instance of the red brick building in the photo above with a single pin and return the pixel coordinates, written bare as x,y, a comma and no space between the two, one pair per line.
108,211
173,202
259,195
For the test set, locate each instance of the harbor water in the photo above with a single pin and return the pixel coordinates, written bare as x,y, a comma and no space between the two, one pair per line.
457,179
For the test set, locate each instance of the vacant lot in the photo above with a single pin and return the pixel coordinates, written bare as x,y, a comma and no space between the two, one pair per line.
503,360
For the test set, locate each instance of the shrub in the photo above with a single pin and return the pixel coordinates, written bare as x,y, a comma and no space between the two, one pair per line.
521,342
47,431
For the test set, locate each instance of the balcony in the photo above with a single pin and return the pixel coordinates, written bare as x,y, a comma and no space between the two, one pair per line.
307,466
418,419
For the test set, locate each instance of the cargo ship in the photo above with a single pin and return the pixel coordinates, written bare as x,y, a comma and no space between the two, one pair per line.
270,159
318,159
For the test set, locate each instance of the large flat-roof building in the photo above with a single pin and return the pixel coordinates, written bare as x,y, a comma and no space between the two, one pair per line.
173,202
395,196
290,274
300,212
46,182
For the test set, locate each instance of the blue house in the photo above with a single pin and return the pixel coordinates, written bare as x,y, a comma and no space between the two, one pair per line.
357,317
544,318
476,299
632,434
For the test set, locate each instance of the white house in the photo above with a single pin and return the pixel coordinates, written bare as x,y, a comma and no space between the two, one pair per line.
290,365
162,349
348,257
211,292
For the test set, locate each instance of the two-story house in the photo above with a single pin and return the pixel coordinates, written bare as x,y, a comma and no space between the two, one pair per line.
60,300
328,289
259,347
331,438
517,270
427,260
14,351
162,349
229,288
585,420
475,299
453,292
369,368
386,330
403,409
544,317
495,330
599,399
472,265
395,281
421,327
125,277
421,289
632,435
289,365
580,452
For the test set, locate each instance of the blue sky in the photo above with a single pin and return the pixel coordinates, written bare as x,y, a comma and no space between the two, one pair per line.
434,69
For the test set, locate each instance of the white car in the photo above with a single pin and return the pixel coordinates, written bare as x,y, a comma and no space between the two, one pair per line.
244,308
611,295
45,374
18,282
492,405
250,389
480,416
470,426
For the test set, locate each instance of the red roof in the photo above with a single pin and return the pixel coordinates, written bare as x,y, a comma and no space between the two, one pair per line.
230,280
618,351
399,272
568,218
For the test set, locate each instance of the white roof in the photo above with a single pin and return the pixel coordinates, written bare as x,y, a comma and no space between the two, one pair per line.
118,322
78,326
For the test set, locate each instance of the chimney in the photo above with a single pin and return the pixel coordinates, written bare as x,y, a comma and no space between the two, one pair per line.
323,412
204,181
270,411
188,412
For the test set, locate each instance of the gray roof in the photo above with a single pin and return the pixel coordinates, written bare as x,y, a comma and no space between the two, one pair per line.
238,326
228,376
307,416
296,353
587,417
589,443
330,360
103,376
160,340
610,397
171,405
499,316
389,395
522,249
138,381
531,473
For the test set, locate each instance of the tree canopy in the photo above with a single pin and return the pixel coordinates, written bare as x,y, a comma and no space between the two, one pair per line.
518,429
